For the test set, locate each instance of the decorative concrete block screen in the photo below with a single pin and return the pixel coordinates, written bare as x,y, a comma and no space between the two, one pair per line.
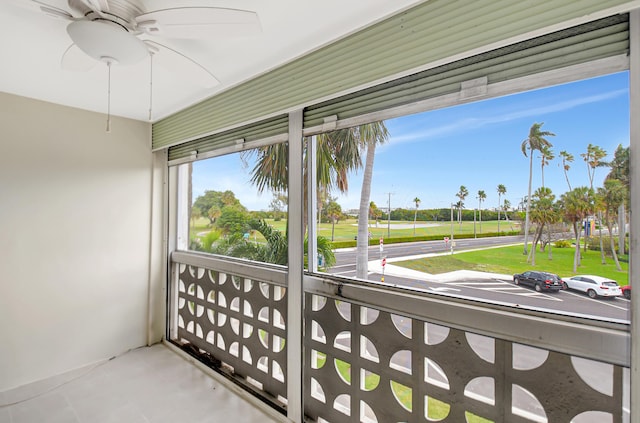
237,324
366,365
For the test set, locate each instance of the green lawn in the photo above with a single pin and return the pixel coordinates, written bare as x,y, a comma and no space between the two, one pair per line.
510,260
348,229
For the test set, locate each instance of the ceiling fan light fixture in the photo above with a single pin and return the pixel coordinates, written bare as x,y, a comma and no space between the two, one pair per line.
100,39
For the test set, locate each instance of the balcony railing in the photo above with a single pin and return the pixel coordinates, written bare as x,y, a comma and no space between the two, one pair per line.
382,354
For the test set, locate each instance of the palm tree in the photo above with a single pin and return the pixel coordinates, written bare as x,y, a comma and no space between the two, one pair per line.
368,136
415,216
481,197
566,159
576,205
612,195
620,171
334,211
546,155
542,213
338,153
506,205
535,141
593,158
501,191
275,250
462,194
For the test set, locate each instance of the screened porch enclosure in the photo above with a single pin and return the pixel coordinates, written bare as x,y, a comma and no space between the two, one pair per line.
327,348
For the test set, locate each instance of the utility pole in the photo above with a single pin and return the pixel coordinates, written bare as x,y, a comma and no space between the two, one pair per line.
389,216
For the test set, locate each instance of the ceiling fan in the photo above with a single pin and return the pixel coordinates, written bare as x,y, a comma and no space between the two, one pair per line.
120,32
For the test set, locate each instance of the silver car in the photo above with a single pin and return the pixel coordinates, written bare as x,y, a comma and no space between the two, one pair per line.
594,286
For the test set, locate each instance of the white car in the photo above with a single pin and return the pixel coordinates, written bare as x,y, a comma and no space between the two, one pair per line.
594,286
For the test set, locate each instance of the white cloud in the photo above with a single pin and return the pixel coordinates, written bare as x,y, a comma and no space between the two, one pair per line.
477,122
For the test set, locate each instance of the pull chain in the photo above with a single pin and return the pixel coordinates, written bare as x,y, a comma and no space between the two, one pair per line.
150,84
109,97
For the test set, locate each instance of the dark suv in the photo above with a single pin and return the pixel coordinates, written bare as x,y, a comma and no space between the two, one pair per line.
540,281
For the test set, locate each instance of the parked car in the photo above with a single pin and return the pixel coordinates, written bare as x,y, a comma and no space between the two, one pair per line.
540,281
594,286
626,291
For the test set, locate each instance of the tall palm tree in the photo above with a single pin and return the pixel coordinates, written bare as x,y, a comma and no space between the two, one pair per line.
368,136
415,215
546,155
594,158
566,159
535,141
461,194
501,191
481,197
338,153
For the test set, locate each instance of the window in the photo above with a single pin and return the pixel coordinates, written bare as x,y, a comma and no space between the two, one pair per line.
238,205
447,194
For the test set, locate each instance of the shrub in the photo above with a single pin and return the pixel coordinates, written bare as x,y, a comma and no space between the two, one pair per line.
562,243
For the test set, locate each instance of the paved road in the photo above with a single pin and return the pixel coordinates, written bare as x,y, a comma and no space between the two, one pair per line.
492,288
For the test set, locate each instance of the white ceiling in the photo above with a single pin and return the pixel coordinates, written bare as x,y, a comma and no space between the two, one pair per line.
33,43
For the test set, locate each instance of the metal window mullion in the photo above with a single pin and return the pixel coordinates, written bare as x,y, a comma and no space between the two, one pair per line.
295,298
312,209
634,174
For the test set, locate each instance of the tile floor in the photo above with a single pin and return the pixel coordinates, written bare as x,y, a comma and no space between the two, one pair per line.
146,385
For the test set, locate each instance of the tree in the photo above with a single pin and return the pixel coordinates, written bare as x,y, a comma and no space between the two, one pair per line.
594,158
546,155
338,153
620,171
506,205
566,159
233,220
368,136
334,211
415,216
214,213
278,205
612,195
543,213
195,215
461,194
501,191
374,212
576,205
481,197
535,141
212,198
274,250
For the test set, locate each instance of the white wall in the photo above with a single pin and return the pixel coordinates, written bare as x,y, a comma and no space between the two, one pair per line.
75,223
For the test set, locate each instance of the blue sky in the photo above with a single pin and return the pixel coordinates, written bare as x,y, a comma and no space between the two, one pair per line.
429,155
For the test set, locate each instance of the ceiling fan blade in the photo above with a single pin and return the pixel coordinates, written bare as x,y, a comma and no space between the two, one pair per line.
101,5
199,22
76,60
181,65
53,11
